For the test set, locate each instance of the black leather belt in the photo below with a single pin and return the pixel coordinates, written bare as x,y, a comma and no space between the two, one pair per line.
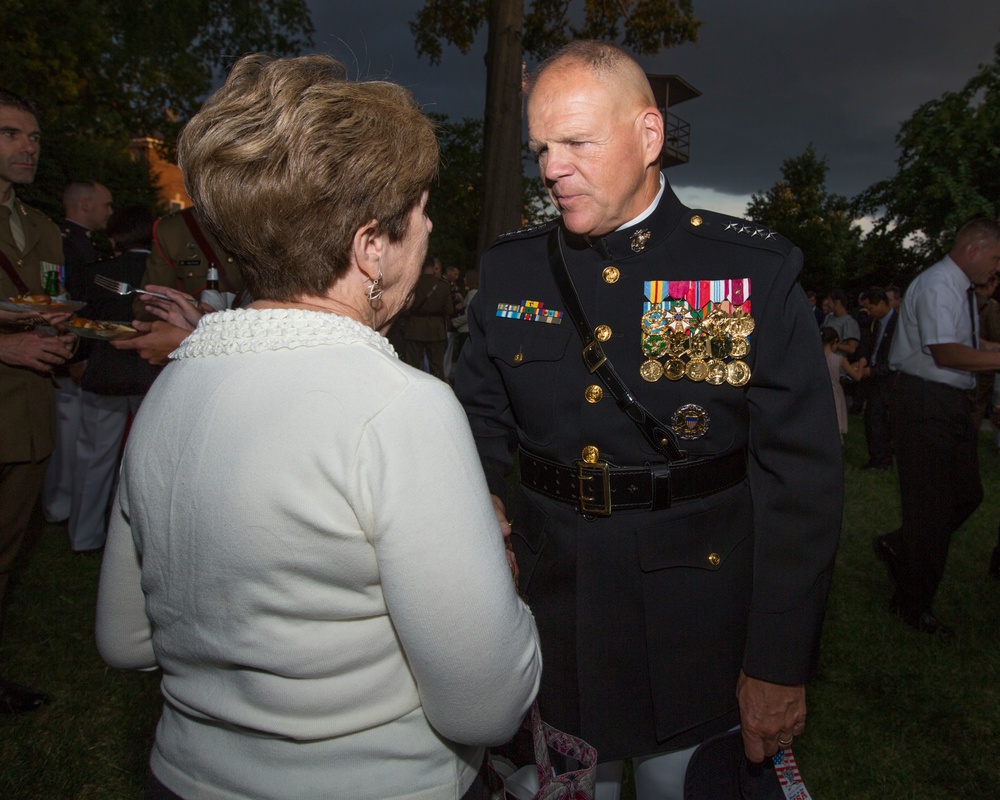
600,488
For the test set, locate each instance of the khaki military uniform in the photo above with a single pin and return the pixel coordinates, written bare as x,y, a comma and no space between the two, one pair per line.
27,417
180,260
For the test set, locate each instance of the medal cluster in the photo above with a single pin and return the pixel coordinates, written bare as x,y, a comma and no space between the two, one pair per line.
709,348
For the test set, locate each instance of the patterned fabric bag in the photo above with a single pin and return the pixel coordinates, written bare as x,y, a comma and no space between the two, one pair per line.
563,765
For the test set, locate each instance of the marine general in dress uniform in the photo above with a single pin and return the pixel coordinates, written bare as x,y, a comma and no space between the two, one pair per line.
674,600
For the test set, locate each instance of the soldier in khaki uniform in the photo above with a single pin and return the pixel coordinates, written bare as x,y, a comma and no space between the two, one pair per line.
28,241
183,250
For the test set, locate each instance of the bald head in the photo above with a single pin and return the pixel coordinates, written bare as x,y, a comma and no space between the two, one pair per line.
609,64
88,203
977,249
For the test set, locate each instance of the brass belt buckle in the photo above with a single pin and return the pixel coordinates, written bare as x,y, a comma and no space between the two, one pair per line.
593,357
587,502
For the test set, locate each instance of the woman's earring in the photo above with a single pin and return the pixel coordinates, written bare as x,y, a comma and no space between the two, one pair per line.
375,288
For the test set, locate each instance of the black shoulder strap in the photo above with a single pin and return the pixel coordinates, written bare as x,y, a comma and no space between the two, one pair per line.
661,437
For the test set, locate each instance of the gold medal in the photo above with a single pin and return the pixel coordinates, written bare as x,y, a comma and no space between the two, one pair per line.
677,345
721,345
740,347
651,370
717,321
654,344
741,324
716,372
697,370
737,373
674,369
698,347
654,321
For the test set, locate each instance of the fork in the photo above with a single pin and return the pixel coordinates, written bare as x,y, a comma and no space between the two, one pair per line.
121,287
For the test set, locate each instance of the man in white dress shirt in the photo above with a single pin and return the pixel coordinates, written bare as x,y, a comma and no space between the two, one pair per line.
937,352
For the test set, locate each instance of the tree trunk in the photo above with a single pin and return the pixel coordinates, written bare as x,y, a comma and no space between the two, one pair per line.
502,196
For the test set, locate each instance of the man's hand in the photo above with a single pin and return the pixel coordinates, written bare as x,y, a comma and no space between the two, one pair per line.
157,342
501,512
769,712
34,350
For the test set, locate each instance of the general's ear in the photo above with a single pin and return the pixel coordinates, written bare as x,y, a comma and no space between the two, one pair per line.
651,122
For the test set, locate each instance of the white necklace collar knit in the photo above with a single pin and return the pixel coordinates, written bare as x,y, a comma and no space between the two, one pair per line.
262,330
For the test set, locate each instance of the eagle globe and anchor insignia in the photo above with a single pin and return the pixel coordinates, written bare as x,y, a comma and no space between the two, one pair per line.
700,328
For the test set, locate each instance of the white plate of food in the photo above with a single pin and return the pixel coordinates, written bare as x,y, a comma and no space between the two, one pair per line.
97,329
40,303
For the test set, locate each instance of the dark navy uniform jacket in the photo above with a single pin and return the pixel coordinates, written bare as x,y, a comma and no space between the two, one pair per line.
80,253
646,617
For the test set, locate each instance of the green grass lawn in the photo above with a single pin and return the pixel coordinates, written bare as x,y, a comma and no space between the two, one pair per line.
894,715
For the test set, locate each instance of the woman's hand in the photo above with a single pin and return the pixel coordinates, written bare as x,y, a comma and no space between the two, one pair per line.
181,310
156,342
505,529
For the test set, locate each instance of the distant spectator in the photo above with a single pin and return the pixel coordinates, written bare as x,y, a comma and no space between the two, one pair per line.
839,365
878,379
426,325
895,297
451,274
989,330
461,321
817,311
840,319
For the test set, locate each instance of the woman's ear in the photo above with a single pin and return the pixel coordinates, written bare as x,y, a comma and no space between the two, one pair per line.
367,248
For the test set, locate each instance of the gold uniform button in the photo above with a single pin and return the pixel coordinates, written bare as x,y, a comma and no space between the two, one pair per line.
696,220
591,454
611,274
602,332
593,393
518,358
714,559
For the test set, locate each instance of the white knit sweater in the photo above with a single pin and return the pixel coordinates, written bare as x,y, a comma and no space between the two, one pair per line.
304,543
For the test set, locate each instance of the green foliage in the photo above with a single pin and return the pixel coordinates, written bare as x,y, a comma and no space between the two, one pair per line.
104,71
644,26
456,198
947,172
821,223
455,202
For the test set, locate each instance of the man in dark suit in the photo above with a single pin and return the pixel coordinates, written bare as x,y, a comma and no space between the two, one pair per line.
29,246
677,594
878,378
